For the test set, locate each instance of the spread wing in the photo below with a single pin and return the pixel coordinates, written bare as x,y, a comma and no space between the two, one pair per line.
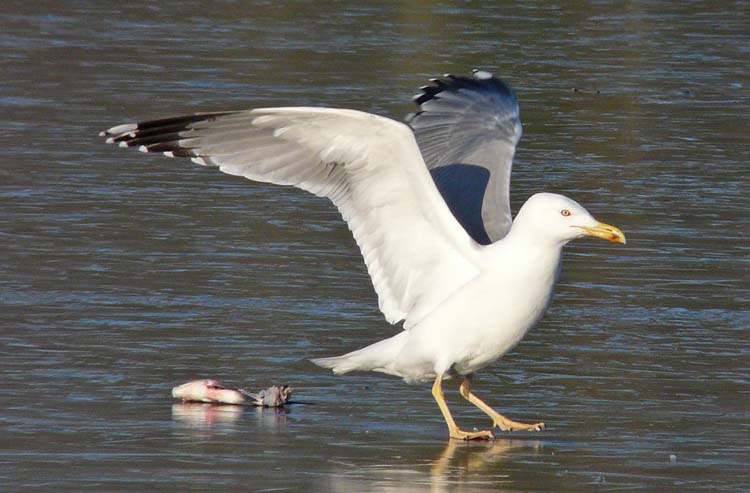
369,166
467,129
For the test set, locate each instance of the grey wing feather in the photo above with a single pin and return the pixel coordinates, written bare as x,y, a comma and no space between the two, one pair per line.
370,167
467,129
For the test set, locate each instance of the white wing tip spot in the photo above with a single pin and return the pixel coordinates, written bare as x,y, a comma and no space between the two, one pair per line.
120,129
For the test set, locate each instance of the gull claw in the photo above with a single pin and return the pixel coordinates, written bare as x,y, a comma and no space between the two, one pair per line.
472,435
510,425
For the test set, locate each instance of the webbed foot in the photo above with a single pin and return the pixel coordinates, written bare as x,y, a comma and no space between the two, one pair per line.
498,419
506,424
460,434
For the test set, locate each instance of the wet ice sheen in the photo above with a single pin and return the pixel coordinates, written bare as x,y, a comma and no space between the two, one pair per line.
125,275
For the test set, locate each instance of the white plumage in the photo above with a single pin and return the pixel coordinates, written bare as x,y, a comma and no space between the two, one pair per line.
463,305
490,312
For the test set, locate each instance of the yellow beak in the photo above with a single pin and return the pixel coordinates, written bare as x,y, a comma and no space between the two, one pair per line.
606,231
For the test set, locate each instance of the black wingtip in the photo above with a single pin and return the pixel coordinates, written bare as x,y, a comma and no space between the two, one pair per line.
479,80
163,135
160,126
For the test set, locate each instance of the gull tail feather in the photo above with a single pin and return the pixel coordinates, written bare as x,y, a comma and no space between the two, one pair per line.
375,357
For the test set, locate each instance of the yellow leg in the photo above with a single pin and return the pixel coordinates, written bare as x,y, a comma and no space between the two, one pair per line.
455,431
499,420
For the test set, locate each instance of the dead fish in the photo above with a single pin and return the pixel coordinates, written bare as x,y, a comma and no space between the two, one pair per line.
207,390
273,396
215,392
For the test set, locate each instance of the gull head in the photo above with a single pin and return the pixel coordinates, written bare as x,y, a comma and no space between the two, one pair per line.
558,219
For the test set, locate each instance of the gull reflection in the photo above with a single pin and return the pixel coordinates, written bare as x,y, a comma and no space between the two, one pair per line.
459,465
461,461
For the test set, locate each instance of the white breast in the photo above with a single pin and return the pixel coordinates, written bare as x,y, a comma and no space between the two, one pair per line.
489,315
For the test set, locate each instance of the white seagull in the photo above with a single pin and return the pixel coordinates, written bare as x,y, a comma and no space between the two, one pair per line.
428,206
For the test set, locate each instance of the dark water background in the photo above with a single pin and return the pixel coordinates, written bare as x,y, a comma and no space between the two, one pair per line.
122,274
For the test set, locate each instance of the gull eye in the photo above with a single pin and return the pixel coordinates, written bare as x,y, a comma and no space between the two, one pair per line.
565,212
